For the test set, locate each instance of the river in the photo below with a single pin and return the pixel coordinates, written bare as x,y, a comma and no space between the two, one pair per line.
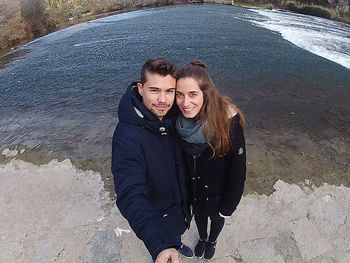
289,73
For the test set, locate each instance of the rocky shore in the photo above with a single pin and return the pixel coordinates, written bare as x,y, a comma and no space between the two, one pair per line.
57,213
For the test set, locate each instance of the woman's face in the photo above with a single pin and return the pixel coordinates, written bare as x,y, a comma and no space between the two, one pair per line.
189,97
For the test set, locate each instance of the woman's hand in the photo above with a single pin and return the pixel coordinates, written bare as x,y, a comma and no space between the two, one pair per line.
221,215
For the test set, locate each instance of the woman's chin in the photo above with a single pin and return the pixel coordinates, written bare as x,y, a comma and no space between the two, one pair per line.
188,115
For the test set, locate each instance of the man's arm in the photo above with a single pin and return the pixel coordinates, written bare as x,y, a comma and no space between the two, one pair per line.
130,180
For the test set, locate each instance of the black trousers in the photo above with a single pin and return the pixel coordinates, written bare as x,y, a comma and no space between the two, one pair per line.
216,225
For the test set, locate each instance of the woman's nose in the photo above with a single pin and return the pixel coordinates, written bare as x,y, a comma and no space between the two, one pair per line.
186,101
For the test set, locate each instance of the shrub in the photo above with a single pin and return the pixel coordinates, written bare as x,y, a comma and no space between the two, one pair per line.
291,6
308,10
14,32
314,11
32,9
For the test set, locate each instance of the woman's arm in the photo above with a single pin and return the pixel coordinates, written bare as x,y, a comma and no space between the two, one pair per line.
236,176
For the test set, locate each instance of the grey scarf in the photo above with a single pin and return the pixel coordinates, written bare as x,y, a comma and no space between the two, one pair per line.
192,134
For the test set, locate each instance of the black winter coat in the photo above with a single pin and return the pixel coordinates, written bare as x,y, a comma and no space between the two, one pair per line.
217,183
149,178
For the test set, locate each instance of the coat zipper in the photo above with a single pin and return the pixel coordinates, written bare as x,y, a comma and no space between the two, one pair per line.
195,182
194,165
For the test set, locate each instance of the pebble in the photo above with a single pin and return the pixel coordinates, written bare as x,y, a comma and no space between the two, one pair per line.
9,153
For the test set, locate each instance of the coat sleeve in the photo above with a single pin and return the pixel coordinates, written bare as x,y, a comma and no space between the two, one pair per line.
236,175
130,182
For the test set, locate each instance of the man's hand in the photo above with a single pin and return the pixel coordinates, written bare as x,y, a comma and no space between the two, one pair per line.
168,254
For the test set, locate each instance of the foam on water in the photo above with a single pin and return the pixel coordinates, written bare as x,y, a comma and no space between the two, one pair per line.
99,41
325,38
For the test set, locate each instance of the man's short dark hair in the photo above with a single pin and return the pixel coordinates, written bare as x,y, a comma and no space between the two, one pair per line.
161,66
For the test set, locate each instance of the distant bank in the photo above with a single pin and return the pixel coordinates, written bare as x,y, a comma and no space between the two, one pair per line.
24,20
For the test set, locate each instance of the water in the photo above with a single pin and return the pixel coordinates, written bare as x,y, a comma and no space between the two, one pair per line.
325,38
63,95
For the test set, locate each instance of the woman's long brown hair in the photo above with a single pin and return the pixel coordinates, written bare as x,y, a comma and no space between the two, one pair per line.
215,112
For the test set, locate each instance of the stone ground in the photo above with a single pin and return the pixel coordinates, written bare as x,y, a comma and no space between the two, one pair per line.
57,213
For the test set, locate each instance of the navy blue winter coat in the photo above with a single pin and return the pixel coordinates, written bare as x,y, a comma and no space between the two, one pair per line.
149,177
217,183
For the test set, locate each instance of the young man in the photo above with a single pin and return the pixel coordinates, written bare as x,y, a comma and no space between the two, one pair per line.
147,164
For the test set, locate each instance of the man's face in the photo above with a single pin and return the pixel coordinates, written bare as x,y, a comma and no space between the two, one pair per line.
158,93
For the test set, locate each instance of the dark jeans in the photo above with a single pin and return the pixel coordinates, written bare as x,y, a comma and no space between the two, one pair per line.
216,225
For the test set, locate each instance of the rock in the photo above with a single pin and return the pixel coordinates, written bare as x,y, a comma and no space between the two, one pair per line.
9,153
270,7
286,193
309,241
260,250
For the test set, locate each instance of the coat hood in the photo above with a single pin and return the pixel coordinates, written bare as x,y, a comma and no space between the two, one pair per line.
132,110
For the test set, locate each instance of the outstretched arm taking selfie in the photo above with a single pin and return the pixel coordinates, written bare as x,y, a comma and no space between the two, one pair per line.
130,179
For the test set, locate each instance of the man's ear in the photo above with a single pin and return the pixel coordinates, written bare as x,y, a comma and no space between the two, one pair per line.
140,88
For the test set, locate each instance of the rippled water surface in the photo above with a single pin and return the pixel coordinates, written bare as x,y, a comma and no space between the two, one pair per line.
283,70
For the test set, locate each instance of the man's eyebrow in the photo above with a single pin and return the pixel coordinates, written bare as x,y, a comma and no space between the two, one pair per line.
151,87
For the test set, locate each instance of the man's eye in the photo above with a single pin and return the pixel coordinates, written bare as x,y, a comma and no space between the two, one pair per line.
170,91
178,94
154,90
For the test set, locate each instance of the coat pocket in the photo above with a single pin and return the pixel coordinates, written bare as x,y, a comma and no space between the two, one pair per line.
173,220
209,205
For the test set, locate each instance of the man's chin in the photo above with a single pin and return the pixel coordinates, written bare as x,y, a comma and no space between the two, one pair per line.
160,114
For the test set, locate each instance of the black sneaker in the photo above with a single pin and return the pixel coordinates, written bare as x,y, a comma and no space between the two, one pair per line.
200,248
209,251
185,251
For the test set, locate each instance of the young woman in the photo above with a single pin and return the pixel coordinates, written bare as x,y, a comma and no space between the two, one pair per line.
214,145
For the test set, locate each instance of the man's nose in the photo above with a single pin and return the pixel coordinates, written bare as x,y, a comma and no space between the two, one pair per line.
161,97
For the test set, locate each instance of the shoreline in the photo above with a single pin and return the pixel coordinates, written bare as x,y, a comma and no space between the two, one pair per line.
289,156
41,155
